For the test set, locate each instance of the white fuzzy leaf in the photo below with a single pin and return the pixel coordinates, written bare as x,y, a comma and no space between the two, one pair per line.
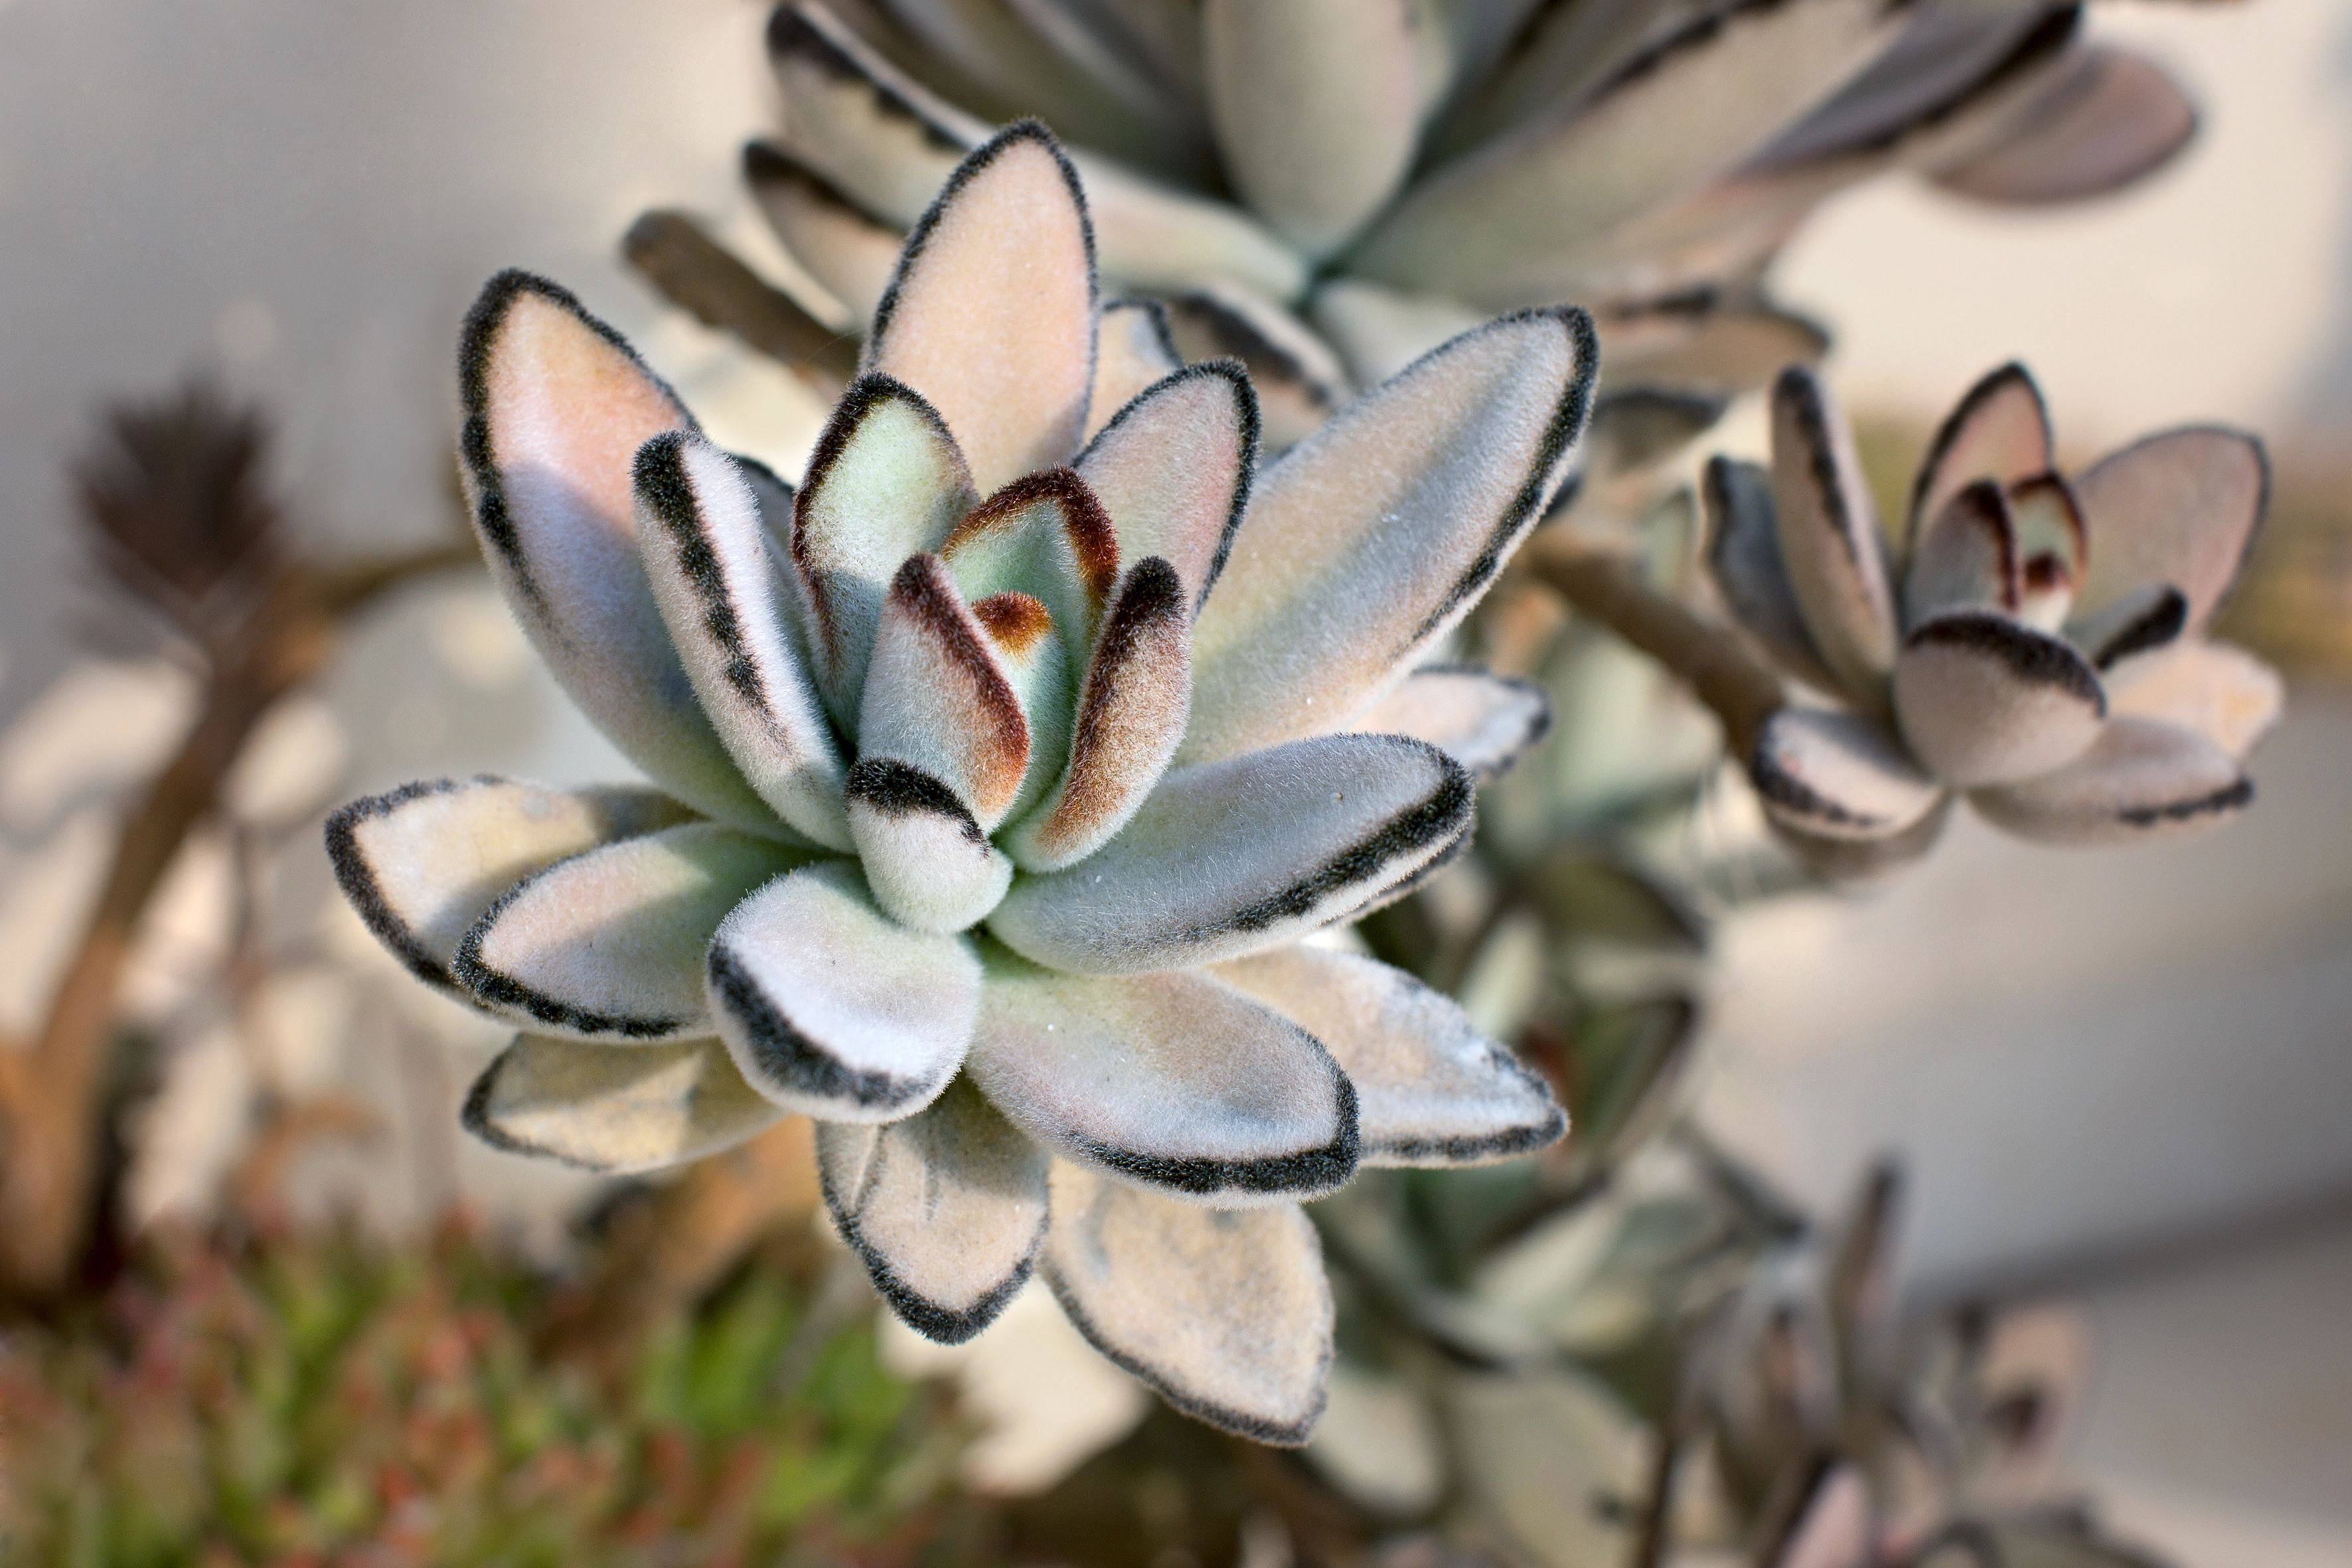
1983,699
1132,351
831,1008
707,553
1366,544
1429,1088
938,698
1317,106
1486,723
2111,118
613,1111
946,1208
1999,431
423,863
877,134
1743,555
1227,1315
991,314
1235,856
2141,779
555,408
1504,223
2180,508
850,252
1838,776
887,481
1296,378
1130,718
609,944
1172,470
2218,690
1966,559
1830,543
1170,1080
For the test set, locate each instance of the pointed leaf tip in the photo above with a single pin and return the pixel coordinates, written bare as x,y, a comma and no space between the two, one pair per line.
991,313
1367,544
556,405
947,1208
703,539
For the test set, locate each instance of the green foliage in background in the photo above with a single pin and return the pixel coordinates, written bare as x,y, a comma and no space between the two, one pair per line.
328,1400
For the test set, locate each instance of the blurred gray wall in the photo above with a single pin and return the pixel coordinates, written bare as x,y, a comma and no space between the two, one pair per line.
2331,399
303,194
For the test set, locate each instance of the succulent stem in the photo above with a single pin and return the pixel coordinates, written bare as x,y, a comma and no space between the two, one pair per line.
1735,685
710,283
692,1233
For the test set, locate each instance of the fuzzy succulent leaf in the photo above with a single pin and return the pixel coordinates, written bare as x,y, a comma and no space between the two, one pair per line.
1999,431
1508,223
2140,779
2180,508
1173,468
1839,775
849,251
2110,119
1132,351
887,481
1829,537
608,945
615,1110
1486,723
1227,1314
939,702
425,862
1317,151
1297,379
991,314
710,559
1170,1080
831,1008
2220,692
1367,544
1431,1089
1379,331
1985,699
556,406
1129,717
946,1208
1967,558
1231,857
1744,556
872,131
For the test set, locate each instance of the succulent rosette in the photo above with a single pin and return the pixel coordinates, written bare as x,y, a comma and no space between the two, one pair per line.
999,772
1839,1435
1327,188
2038,644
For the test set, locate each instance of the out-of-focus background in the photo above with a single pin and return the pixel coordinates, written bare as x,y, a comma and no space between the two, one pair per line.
2124,1078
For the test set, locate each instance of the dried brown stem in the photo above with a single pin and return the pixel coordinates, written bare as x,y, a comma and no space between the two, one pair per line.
257,1184
345,591
674,1249
1735,685
703,277
51,1086
1654,1532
